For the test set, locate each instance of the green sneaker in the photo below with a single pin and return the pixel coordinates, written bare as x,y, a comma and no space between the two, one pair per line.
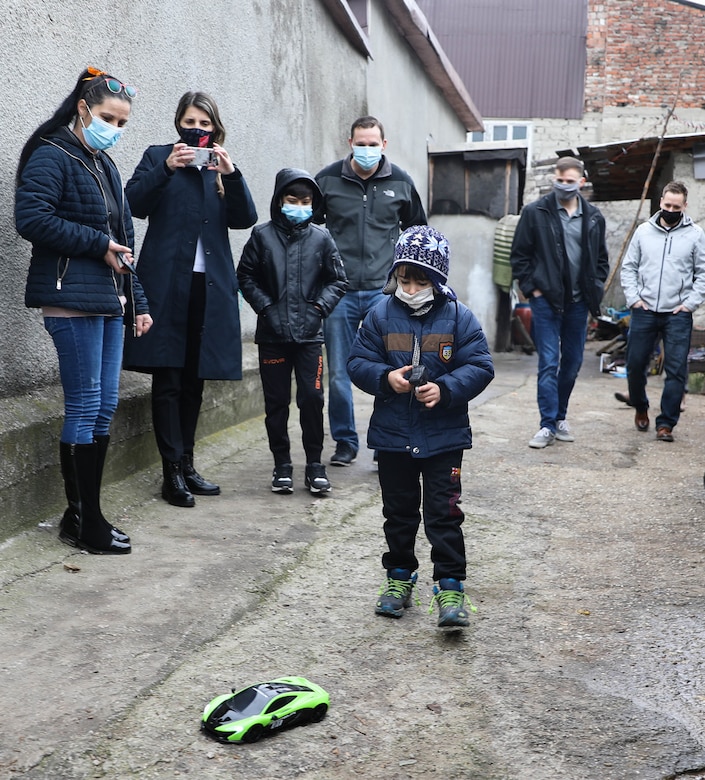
396,592
451,599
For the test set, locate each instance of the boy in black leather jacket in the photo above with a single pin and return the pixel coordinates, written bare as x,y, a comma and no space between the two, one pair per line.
291,274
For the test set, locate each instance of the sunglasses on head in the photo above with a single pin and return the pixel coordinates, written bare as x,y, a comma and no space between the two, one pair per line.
113,85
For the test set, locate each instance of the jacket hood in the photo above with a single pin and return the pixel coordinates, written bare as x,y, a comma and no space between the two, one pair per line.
285,177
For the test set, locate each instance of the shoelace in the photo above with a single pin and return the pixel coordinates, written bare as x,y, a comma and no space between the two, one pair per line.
451,599
399,589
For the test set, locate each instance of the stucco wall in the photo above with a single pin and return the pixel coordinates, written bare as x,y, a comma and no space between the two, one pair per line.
285,79
413,115
287,82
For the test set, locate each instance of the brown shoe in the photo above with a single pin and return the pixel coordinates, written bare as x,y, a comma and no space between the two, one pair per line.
664,433
641,420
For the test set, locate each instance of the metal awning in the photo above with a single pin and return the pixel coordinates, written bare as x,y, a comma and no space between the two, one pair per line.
617,171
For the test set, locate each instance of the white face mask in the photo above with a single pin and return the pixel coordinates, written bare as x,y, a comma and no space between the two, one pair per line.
415,300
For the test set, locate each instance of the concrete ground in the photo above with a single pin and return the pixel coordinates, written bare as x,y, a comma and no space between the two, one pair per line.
584,660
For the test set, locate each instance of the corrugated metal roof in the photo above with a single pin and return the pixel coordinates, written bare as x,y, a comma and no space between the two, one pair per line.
618,171
518,58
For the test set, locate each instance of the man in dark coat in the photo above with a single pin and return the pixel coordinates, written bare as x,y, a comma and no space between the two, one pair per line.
559,258
367,201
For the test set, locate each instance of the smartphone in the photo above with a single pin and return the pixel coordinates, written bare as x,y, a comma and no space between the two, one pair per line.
125,264
203,156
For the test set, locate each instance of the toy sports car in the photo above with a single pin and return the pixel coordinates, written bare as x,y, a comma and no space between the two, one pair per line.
245,715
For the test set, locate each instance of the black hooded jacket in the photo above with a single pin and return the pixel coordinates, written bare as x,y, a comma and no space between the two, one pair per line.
291,275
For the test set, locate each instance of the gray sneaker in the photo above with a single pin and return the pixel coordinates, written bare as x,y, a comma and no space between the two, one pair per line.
563,431
544,438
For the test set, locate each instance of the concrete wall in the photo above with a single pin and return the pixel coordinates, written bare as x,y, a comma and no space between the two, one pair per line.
288,84
413,118
286,81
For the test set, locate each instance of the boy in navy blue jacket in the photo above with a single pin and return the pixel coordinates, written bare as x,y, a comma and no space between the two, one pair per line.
291,274
423,355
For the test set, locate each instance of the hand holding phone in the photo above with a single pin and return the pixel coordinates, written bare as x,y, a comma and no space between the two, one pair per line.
202,156
124,263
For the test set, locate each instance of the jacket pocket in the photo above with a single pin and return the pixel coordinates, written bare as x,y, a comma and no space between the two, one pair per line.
312,321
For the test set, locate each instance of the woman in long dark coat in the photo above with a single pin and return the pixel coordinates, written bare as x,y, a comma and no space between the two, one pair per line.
187,271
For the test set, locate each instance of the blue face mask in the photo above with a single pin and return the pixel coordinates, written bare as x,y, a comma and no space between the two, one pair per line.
100,135
297,214
367,157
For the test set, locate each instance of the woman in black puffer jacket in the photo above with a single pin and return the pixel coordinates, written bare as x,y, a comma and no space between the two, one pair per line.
70,205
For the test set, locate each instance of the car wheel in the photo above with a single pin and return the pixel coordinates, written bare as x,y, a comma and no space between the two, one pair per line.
319,713
254,733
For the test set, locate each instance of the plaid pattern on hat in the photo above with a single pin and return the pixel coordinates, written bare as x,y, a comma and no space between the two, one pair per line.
426,248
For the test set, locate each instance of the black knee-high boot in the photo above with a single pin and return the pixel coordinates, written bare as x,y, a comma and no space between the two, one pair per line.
92,532
102,442
68,525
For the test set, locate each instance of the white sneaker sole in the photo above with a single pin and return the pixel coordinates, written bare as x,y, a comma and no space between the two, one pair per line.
542,444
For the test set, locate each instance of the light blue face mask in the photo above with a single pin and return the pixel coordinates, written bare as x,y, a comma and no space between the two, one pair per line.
367,156
297,214
99,134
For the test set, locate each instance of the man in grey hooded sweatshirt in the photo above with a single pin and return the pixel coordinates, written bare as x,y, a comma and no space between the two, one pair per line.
663,278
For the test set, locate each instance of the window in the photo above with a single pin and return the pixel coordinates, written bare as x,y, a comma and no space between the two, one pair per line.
359,10
502,131
489,182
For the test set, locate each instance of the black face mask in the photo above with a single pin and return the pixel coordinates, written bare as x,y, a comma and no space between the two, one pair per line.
193,136
671,218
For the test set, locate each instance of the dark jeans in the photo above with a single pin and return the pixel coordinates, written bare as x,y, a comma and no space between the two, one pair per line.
177,393
675,330
90,353
340,328
400,478
560,342
276,363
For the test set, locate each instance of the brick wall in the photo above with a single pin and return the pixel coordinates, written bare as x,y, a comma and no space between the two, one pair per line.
636,52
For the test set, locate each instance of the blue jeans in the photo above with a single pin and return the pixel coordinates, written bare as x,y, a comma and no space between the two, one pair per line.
560,342
675,330
90,354
340,329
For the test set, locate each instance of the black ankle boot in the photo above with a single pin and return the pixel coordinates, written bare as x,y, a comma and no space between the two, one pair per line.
174,489
194,481
83,524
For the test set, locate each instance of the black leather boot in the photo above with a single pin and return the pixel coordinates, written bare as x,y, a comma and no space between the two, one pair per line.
174,489
69,525
102,442
83,524
194,481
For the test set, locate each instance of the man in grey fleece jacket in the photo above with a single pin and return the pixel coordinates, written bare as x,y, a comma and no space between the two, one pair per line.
663,278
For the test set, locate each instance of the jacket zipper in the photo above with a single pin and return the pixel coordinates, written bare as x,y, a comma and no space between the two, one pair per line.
107,214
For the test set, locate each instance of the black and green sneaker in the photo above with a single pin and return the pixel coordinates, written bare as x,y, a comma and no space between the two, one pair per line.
451,600
395,594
